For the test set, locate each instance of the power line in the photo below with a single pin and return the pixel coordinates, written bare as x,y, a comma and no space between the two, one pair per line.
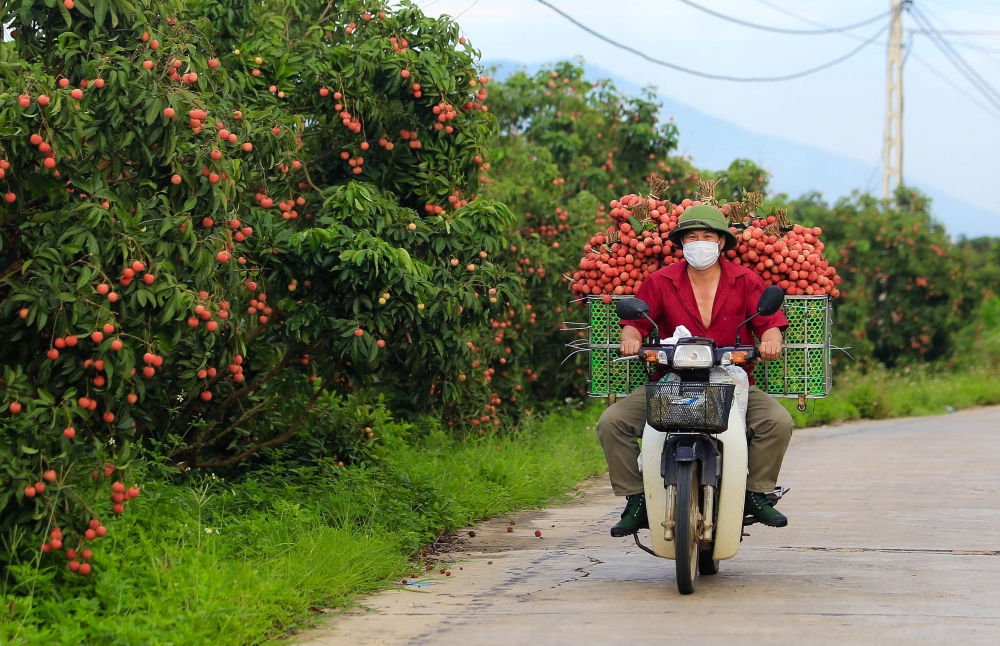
475,2
966,33
780,9
972,46
967,6
986,107
957,61
958,88
778,30
963,67
715,77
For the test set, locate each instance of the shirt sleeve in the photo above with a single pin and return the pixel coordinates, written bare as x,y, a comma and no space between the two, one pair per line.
651,295
761,324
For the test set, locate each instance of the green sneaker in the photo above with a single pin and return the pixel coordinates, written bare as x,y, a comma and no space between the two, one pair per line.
633,518
760,507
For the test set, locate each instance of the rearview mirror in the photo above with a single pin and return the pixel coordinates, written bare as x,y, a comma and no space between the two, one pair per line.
629,309
770,301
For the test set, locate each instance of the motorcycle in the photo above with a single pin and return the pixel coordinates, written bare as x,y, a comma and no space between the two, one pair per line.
694,444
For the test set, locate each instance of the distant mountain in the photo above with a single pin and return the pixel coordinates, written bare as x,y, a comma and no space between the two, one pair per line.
796,169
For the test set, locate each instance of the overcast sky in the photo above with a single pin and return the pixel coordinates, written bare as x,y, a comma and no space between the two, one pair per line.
950,142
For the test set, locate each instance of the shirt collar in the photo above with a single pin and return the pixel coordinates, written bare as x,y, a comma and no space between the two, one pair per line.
679,276
682,283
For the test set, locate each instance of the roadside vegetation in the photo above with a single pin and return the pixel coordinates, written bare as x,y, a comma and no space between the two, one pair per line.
281,296
213,560
880,393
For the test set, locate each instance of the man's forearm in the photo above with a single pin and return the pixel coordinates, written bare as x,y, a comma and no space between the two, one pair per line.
770,344
630,333
771,336
631,341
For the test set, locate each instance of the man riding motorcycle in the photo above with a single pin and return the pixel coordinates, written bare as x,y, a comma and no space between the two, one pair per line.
710,297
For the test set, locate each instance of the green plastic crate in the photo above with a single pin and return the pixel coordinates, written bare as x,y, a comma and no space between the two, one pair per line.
803,370
606,377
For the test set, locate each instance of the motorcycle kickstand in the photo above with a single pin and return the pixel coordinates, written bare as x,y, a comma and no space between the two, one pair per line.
643,547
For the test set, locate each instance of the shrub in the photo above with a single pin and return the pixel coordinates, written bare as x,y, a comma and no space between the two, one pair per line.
189,262
907,290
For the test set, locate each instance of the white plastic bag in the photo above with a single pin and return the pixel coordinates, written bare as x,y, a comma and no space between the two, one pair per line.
680,332
738,377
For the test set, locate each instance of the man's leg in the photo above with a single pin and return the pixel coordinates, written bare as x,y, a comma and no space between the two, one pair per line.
619,429
769,429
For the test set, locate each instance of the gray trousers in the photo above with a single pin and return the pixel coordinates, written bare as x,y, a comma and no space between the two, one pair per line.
769,429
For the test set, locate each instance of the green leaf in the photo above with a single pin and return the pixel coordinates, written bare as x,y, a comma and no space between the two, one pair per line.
100,11
153,110
106,194
62,10
84,185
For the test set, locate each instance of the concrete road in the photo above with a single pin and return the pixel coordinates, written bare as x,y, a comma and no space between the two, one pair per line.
894,538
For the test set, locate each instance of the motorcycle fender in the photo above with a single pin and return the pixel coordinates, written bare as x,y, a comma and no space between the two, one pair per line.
690,448
732,488
656,495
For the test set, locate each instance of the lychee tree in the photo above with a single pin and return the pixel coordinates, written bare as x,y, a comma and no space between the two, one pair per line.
186,264
392,143
568,148
132,251
907,288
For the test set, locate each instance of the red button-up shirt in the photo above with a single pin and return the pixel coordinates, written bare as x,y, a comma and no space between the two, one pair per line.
671,301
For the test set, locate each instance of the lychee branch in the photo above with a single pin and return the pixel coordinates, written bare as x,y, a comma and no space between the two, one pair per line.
289,434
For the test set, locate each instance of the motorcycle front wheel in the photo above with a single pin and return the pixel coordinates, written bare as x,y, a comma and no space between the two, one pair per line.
686,517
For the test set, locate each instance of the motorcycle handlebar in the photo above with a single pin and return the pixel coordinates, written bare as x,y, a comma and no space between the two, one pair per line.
752,354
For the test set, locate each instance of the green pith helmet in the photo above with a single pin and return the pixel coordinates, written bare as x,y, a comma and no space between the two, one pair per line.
703,217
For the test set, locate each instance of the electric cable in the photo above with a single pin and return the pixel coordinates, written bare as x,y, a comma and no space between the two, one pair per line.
781,9
792,14
970,34
993,112
963,67
978,48
778,30
716,77
964,42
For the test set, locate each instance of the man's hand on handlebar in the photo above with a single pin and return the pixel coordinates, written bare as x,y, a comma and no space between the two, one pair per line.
631,341
770,345
769,349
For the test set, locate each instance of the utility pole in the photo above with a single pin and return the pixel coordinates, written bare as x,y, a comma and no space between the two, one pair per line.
892,147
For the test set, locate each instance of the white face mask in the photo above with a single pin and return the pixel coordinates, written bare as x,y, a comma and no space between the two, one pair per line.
701,254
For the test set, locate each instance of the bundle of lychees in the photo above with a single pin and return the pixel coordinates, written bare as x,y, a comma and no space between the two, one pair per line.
618,260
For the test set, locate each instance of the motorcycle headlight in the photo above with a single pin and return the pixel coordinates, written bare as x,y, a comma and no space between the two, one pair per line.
693,356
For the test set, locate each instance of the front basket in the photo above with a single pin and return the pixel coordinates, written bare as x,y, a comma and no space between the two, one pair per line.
676,405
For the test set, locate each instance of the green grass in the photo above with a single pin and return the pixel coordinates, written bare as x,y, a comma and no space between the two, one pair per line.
241,563
882,394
